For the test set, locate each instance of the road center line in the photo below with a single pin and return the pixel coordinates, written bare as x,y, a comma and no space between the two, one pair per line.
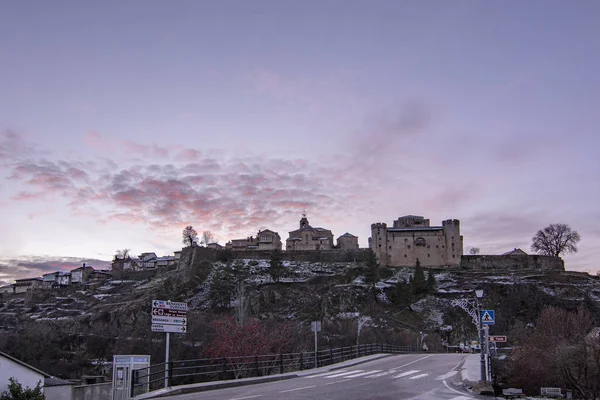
300,388
247,397
412,362
343,380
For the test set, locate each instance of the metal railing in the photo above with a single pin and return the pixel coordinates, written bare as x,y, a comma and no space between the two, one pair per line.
175,373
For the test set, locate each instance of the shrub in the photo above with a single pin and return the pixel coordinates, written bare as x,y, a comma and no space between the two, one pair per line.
16,392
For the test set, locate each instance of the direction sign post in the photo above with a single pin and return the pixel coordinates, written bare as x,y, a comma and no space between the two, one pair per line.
168,317
498,339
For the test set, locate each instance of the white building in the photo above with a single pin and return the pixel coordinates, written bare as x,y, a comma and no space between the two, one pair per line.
25,374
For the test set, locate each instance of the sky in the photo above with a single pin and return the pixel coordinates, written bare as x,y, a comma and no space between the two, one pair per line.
123,122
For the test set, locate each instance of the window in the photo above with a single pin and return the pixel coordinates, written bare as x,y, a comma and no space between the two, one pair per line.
390,247
405,256
453,255
428,255
379,244
442,246
406,240
409,246
427,246
437,246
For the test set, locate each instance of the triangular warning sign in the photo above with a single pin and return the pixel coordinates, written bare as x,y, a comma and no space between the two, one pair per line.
487,317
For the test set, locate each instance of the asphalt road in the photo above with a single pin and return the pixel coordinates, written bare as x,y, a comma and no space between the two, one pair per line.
408,376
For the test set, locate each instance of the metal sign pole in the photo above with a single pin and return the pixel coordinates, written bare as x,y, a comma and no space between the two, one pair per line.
167,362
316,355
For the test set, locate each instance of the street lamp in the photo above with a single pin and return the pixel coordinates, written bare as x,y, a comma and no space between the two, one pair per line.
479,296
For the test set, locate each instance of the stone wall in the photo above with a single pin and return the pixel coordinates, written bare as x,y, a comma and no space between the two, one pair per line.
195,256
309,255
512,263
99,391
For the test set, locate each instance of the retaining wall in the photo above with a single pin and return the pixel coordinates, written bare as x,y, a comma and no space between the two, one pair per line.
512,263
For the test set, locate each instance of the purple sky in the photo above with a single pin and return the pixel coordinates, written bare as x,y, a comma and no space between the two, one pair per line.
122,122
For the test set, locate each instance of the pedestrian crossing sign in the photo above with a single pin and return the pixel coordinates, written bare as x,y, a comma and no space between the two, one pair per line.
488,317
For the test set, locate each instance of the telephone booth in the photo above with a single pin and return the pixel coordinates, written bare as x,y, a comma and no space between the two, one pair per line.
123,367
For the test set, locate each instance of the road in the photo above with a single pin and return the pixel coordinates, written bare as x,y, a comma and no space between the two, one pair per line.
407,376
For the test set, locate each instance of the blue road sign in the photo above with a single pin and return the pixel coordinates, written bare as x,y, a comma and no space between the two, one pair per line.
488,317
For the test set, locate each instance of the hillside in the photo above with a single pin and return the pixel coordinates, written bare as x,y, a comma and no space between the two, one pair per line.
70,331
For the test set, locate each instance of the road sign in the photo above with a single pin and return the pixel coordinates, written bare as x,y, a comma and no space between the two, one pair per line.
168,328
488,317
169,305
497,339
168,313
169,320
315,326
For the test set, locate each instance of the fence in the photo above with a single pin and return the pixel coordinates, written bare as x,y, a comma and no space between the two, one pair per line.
175,373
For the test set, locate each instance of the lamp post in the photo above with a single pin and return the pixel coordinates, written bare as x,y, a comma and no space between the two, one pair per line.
473,308
479,295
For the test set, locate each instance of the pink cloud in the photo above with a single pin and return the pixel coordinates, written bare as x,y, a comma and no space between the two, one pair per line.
97,141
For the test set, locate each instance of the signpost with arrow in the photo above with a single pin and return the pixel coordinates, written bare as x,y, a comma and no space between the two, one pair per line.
169,317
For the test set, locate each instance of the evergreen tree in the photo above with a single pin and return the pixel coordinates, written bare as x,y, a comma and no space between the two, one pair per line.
372,270
276,268
431,283
419,283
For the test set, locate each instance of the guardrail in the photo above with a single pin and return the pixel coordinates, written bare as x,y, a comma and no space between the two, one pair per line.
175,373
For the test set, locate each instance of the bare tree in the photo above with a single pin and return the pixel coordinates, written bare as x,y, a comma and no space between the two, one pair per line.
555,239
474,250
243,303
190,236
122,254
207,237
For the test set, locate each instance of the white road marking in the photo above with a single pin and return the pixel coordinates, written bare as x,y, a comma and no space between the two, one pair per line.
419,376
300,388
332,383
412,362
414,371
380,374
343,373
456,391
363,373
446,376
247,397
326,373
461,398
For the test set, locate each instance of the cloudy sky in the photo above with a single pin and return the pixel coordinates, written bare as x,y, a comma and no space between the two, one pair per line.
123,122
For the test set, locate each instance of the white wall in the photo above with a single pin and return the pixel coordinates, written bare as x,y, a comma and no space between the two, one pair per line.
25,376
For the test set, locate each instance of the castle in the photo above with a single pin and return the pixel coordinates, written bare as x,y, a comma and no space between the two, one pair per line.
412,238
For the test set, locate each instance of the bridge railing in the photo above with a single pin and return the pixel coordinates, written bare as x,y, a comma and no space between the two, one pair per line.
183,372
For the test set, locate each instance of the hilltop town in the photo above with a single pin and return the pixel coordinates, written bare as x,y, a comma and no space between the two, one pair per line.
409,240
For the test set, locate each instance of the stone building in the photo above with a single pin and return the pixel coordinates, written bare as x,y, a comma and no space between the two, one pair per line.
265,240
412,238
347,242
309,238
